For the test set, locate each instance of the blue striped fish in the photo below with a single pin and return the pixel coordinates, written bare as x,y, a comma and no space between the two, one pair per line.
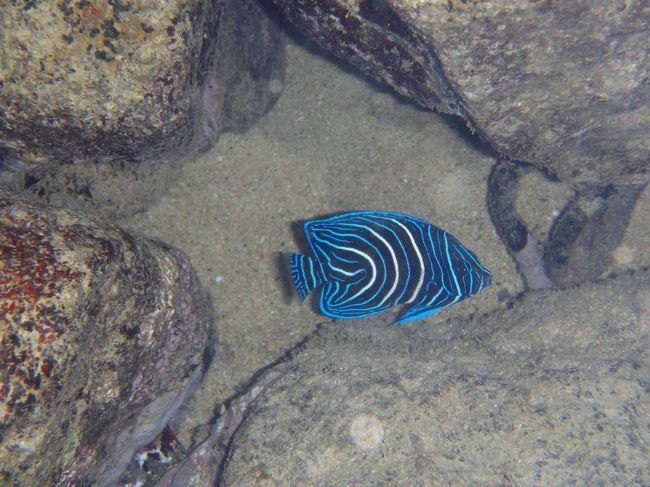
370,261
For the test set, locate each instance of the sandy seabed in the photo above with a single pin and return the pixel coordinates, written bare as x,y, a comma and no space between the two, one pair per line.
334,142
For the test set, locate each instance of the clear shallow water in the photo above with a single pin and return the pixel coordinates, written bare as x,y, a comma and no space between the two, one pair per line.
333,142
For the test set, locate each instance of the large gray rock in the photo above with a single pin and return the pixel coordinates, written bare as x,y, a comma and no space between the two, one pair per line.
102,337
562,85
554,391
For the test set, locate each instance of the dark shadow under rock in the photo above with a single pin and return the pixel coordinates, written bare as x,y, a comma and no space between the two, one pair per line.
553,391
111,190
103,336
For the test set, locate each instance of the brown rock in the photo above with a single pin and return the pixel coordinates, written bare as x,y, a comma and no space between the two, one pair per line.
562,85
115,80
103,335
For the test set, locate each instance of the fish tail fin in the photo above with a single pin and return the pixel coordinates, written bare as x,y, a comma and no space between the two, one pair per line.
305,273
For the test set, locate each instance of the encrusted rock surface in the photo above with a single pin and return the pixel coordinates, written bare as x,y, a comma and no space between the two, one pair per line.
554,391
102,337
562,85
86,84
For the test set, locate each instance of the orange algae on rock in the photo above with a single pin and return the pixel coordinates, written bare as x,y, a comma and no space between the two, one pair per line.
93,363
38,287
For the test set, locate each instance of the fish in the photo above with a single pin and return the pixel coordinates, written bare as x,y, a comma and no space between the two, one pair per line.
366,262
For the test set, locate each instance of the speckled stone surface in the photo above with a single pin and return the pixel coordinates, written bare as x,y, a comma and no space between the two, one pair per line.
562,85
551,392
102,337
119,80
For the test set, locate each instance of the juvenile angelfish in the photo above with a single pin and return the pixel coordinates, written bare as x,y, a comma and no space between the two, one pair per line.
370,261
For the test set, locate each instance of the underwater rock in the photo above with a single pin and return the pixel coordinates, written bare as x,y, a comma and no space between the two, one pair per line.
103,336
202,466
86,81
585,235
557,84
581,243
552,391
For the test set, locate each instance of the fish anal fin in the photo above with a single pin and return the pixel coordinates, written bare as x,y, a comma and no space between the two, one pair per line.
417,312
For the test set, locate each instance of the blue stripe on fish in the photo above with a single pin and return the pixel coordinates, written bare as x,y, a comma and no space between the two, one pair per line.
370,261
